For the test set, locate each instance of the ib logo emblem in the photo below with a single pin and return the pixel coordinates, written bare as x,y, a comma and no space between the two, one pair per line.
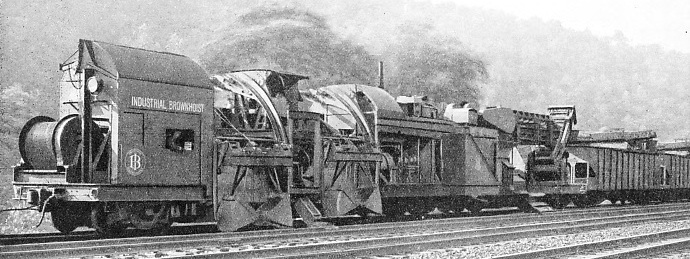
135,161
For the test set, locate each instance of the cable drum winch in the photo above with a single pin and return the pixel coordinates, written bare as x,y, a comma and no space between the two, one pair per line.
45,143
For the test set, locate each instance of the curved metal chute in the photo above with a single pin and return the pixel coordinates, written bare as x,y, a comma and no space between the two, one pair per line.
276,92
349,100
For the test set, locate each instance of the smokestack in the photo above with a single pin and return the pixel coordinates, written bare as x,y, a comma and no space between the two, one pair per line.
381,74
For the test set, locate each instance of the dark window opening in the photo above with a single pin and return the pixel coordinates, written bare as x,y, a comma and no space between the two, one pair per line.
179,140
438,159
394,151
581,170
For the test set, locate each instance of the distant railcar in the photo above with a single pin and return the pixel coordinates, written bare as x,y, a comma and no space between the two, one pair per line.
629,175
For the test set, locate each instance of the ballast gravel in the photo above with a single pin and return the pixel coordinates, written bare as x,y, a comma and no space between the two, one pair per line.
539,243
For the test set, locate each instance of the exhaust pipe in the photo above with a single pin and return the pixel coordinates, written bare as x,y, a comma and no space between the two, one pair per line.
381,74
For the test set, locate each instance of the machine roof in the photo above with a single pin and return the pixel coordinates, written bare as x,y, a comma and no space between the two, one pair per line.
383,100
117,61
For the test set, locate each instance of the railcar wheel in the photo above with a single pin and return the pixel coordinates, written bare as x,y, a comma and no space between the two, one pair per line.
65,219
152,216
393,211
475,207
586,201
525,206
103,226
417,212
162,229
559,202
641,200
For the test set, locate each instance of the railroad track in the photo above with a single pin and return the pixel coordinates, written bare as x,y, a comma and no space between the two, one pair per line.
357,240
86,235
639,246
413,243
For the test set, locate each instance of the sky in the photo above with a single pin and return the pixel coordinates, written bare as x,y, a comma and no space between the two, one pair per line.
642,22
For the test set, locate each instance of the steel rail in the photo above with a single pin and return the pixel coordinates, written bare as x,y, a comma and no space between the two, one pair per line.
86,235
677,244
46,237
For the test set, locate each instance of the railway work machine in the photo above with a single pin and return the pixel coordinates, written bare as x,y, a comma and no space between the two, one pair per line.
618,166
450,162
132,145
544,168
145,139
320,170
